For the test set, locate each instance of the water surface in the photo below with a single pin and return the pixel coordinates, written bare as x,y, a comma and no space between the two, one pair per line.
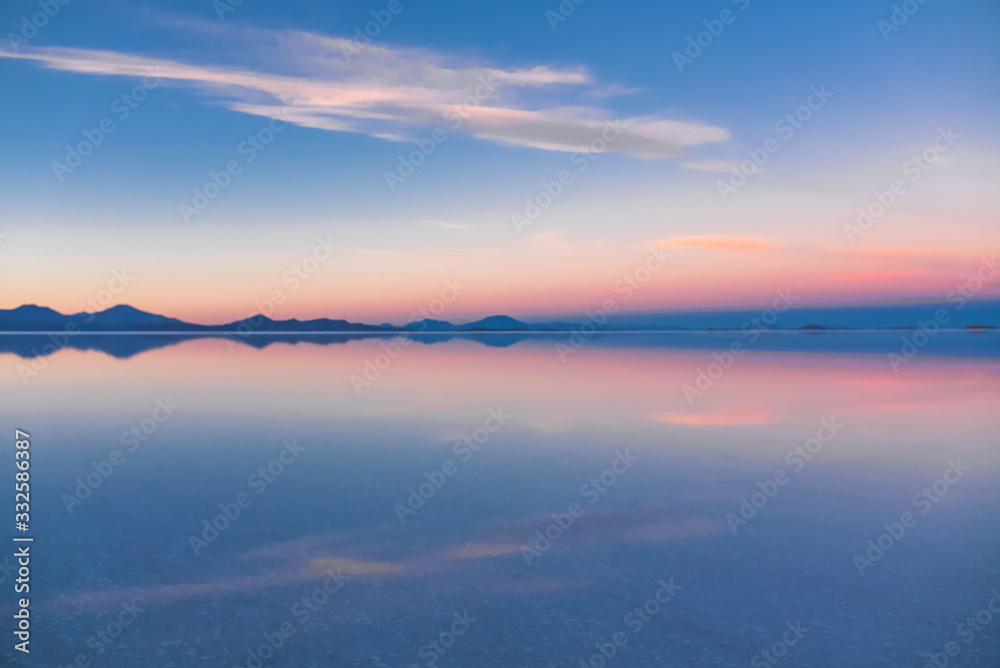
696,528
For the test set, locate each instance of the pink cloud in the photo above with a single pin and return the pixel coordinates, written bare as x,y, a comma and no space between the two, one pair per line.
372,251
718,242
879,276
896,252
719,418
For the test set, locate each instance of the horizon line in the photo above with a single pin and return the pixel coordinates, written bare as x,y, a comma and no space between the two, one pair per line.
644,312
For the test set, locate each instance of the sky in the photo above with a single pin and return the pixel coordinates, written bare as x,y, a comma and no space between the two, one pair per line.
373,160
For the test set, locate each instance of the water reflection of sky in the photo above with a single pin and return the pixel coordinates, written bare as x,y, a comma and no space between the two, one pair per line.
334,508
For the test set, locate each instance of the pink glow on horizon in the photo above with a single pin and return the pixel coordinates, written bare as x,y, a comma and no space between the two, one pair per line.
552,274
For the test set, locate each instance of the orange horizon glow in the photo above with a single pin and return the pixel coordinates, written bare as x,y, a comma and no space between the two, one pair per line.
551,274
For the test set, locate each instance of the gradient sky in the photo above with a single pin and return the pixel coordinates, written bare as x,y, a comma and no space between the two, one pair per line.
354,109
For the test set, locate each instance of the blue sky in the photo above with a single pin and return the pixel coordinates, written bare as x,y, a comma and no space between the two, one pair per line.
452,217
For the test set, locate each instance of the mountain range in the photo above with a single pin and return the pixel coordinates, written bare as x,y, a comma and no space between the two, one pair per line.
124,319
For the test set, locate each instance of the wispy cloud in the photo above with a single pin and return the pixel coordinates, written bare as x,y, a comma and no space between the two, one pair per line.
392,93
879,276
718,242
448,225
711,165
898,253
480,550
719,418
551,241
373,251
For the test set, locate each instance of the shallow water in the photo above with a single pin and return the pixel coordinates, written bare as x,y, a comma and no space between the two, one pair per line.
739,512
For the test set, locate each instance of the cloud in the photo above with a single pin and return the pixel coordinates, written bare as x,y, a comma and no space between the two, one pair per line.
718,242
898,253
539,76
719,418
448,225
711,165
391,93
879,276
551,241
480,550
352,566
610,90
373,251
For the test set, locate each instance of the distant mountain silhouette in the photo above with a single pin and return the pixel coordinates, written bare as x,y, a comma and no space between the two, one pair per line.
498,323
494,323
129,317
976,315
124,318
429,325
261,323
32,331
31,318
